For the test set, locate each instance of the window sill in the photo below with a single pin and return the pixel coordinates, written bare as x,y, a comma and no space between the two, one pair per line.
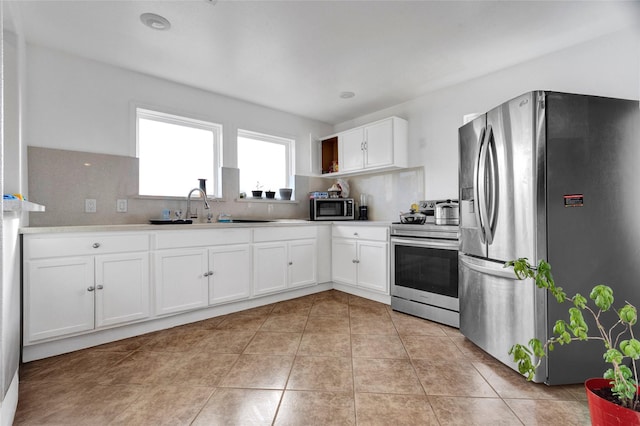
171,197
266,200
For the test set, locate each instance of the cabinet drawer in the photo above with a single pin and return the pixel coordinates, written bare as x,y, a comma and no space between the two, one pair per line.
200,238
375,233
86,244
283,233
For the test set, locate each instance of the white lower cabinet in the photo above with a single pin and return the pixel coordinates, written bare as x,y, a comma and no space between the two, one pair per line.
180,280
78,283
229,273
57,297
284,258
195,277
302,263
360,257
67,293
122,288
189,279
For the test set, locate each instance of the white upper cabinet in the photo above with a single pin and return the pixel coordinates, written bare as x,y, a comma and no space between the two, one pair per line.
351,150
378,146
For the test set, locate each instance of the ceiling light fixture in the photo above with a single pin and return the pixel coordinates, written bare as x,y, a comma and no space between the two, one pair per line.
155,22
347,95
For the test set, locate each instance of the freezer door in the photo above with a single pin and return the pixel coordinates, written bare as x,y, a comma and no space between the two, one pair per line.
470,137
497,310
510,184
593,202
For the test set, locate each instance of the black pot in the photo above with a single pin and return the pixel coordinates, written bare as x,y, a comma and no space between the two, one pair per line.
256,194
270,194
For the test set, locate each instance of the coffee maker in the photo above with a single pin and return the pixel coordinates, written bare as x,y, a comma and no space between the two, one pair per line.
363,210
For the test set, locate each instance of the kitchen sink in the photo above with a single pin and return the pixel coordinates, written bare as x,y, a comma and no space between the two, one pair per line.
170,222
250,221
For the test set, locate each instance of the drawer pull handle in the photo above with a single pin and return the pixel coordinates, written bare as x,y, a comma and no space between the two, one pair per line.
99,287
208,274
355,234
355,261
96,245
90,288
290,263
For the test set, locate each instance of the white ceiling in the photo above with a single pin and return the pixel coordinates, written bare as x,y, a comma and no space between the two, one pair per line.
297,56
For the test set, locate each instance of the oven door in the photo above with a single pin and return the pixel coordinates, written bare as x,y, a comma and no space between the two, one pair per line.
425,271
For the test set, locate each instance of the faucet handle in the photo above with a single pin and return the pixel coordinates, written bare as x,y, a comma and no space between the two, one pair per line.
178,214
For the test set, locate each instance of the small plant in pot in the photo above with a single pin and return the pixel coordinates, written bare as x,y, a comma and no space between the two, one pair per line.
619,384
257,193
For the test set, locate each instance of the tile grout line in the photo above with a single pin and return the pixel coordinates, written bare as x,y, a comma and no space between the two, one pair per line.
277,411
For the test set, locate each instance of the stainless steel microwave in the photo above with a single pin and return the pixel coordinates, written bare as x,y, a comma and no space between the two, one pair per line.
331,209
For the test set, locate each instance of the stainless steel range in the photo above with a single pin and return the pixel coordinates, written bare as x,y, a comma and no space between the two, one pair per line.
424,267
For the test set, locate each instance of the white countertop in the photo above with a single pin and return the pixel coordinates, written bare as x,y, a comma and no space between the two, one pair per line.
214,225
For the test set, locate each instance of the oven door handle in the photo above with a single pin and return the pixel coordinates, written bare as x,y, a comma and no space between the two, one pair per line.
426,243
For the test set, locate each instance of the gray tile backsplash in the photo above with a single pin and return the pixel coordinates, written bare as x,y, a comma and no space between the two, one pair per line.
61,181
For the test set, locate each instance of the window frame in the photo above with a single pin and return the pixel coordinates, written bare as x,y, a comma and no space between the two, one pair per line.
287,142
214,190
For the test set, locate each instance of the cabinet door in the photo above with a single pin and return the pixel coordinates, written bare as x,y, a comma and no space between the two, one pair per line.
350,155
270,268
302,263
379,144
372,266
58,297
230,273
343,261
122,288
180,280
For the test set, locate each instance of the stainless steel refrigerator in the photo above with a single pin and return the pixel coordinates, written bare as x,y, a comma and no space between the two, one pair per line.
552,176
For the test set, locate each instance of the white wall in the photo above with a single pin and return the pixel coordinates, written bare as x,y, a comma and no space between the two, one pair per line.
77,104
82,105
608,66
12,178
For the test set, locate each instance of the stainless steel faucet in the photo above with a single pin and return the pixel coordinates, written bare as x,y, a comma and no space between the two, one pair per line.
203,194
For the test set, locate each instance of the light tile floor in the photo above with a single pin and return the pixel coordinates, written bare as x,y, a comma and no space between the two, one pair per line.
328,358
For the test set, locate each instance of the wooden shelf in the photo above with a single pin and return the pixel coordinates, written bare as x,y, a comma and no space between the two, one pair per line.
329,155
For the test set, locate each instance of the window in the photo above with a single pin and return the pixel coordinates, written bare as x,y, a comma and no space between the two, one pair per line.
174,152
265,159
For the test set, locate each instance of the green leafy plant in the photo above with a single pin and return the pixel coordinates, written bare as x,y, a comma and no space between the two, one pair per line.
619,341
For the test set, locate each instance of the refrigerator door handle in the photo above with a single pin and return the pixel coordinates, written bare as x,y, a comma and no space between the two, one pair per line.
486,267
478,169
481,185
494,188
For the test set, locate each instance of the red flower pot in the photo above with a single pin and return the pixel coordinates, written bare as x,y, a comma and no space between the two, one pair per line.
606,413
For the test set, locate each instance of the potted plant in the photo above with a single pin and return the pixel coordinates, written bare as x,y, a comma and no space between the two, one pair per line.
257,193
285,193
614,398
270,194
